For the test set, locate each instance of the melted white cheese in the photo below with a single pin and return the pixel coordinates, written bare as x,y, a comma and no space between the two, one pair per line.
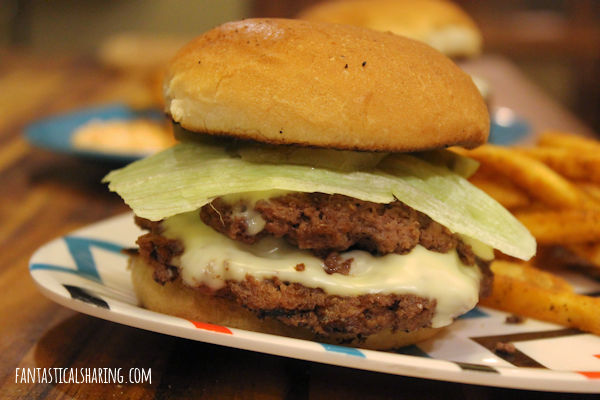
210,259
242,206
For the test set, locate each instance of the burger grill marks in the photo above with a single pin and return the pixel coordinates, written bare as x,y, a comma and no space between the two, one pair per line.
327,224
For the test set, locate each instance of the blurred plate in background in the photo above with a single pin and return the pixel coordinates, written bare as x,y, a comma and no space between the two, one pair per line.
56,133
506,127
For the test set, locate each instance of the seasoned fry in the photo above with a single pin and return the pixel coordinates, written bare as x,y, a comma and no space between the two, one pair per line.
591,189
502,190
589,252
537,179
530,274
570,163
568,141
562,227
554,190
543,298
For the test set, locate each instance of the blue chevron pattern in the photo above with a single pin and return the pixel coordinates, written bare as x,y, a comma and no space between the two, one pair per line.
80,249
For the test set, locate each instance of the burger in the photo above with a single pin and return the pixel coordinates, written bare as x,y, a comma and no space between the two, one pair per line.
311,195
441,24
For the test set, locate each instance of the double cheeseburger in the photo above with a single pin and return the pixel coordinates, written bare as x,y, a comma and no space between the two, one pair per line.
292,205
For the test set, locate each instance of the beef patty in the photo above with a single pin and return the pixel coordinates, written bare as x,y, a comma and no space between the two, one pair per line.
299,306
331,223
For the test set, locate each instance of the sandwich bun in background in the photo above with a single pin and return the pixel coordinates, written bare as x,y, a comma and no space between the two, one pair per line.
143,59
310,94
441,24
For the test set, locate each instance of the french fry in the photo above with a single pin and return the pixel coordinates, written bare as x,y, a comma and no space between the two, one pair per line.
530,274
537,179
502,190
570,163
591,189
553,258
563,226
588,252
568,141
541,298
554,190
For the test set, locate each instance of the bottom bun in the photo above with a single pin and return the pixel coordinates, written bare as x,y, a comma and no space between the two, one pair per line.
177,299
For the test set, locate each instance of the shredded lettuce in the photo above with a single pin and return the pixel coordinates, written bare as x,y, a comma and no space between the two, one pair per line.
189,175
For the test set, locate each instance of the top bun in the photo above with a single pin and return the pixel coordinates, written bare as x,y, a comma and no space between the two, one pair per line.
439,23
317,84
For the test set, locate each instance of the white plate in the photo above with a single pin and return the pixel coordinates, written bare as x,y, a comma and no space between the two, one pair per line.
86,272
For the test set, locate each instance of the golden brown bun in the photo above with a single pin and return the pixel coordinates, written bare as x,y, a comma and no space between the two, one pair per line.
439,23
297,82
174,298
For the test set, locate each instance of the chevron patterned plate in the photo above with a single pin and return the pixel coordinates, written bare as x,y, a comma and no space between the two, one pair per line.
86,271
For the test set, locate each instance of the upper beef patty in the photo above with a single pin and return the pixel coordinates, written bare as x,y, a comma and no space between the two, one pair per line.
330,223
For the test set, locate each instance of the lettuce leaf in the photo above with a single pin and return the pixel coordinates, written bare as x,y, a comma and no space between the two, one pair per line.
189,175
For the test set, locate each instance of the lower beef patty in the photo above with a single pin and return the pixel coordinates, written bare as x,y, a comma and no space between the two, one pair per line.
341,223
299,306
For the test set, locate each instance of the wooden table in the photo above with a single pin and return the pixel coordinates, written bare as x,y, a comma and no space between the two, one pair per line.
45,195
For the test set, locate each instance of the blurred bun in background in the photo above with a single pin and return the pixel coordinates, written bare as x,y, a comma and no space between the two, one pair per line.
141,52
142,57
441,24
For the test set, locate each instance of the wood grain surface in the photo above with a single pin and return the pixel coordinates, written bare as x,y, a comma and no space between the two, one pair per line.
46,195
